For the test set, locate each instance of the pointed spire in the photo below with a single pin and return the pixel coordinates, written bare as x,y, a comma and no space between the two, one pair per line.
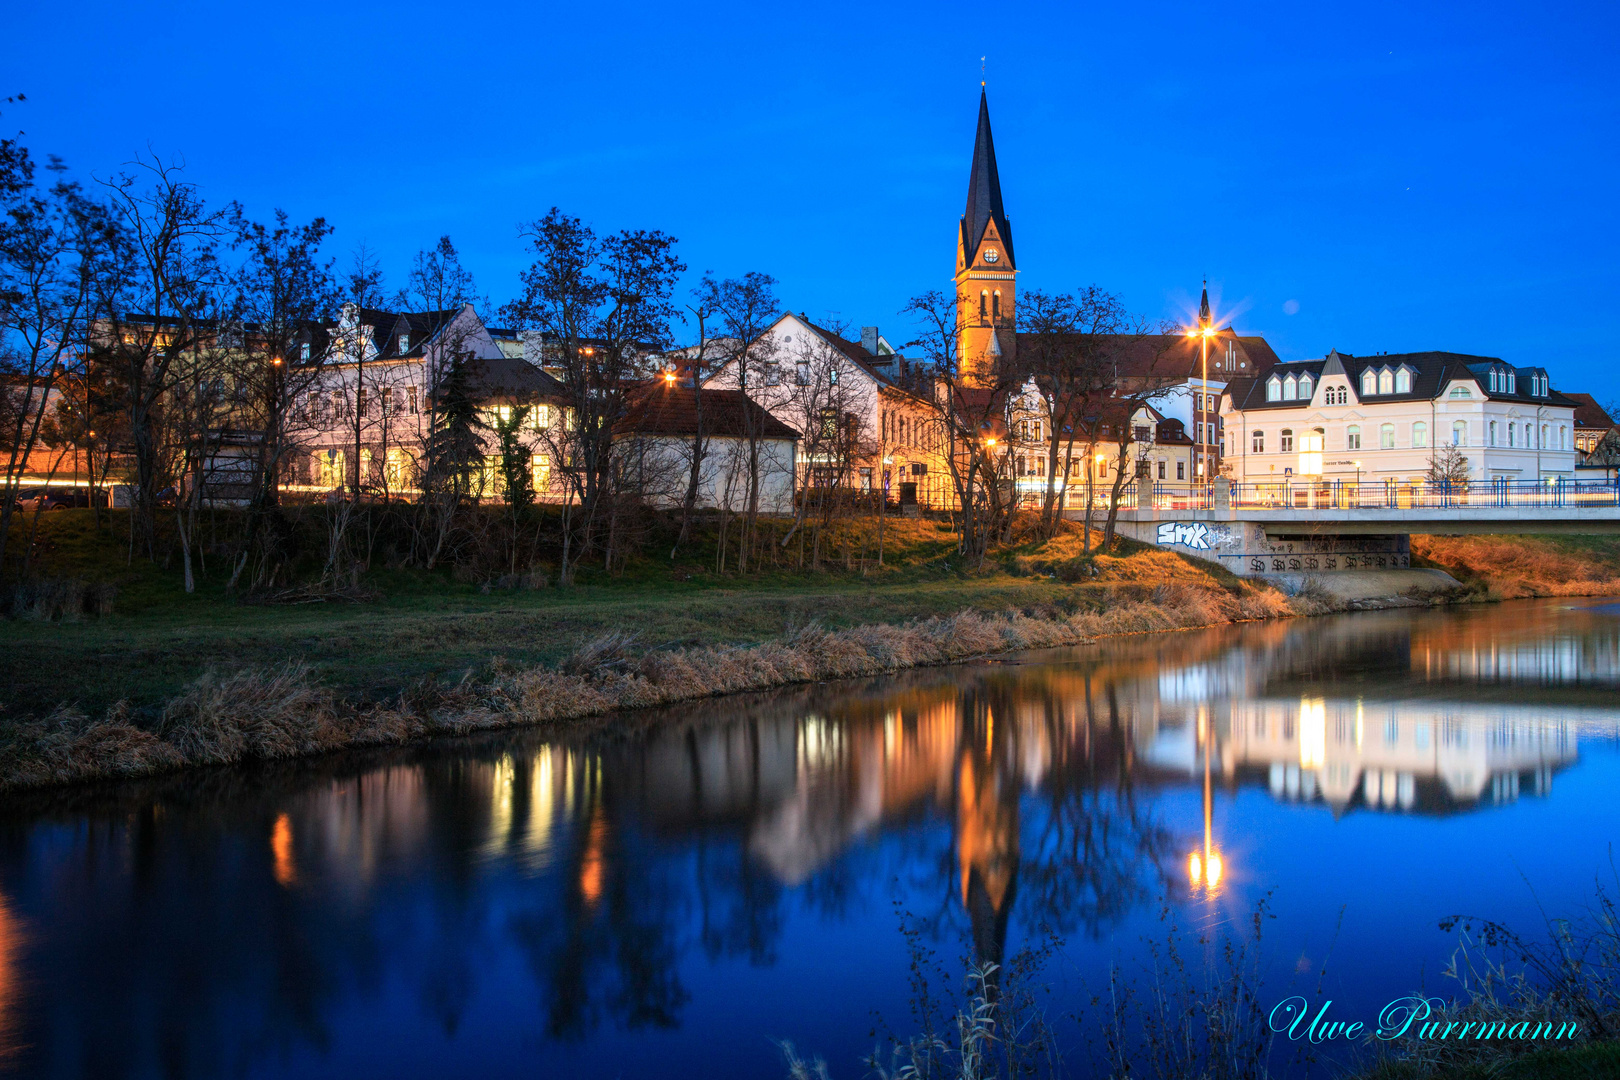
984,190
1203,307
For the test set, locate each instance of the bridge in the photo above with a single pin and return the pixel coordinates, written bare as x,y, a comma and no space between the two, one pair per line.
1301,527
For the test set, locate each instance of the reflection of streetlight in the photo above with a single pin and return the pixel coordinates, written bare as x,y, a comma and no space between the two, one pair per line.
1207,867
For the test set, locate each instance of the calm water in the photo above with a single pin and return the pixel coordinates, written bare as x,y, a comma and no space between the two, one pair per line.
667,901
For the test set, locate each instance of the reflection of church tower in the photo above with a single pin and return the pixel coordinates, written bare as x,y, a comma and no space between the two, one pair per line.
985,269
987,849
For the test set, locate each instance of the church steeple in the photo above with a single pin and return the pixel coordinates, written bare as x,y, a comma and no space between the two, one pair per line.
1203,308
984,190
986,272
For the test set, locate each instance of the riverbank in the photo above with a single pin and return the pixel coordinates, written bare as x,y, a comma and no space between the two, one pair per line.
171,680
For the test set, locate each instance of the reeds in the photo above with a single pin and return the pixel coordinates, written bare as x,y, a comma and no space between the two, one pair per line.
252,714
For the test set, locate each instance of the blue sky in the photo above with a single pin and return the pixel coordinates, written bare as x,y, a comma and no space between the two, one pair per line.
1411,176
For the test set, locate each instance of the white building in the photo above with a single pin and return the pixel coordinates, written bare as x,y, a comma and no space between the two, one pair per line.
1386,417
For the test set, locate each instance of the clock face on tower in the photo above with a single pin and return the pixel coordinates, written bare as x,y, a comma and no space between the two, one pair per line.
991,255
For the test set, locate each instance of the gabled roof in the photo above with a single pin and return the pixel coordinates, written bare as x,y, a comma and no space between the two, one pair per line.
984,192
659,409
509,377
1589,414
1431,371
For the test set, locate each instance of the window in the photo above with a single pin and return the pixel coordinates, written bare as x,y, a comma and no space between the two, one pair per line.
1285,441
1352,437
330,469
995,304
984,305
1368,384
1386,437
1459,433
1490,437
1512,381
1511,429
410,394
1386,382
1543,443
1420,434
832,376
1161,468
303,351
1258,442
1274,389
1290,389
1181,470
773,374
1563,438
541,417
1460,393
802,373
1529,436
540,472
1305,387
1403,381
404,343
394,472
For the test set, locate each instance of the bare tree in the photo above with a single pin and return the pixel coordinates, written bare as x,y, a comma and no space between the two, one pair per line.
284,291
604,305
747,306
163,295
1448,465
53,244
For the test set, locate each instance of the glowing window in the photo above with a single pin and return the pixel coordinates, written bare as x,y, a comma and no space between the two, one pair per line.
1386,382
1386,437
1368,383
1305,386
1273,389
1420,434
1403,381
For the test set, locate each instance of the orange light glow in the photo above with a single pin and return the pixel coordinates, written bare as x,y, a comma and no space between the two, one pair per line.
1213,872
10,943
281,849
669,378
592,867
1195,868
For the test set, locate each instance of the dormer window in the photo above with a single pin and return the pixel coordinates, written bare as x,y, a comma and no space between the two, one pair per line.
1386,382
1274,389
1403,381
1290,389
1460,393
1369,383
303,351
1305,385
404,343
1512,382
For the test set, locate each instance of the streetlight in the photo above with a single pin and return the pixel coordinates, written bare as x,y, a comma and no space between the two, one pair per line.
1204,331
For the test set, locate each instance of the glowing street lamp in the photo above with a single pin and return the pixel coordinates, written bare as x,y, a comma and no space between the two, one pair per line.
1206,868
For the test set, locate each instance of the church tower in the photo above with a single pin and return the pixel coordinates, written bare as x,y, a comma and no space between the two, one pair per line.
986,272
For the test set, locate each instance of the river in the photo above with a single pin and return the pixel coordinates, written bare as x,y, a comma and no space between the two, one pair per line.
669,895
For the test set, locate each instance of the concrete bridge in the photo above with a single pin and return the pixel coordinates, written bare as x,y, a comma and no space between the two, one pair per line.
1295,528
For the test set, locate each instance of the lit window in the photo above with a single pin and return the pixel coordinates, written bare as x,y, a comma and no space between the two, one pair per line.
995,304
541,417
1368,383
404,343
1274,389
1386,382
1290,389
540,468
1386,437
1420,434
1305,387
1285,441
1403,381
1352,437
303,351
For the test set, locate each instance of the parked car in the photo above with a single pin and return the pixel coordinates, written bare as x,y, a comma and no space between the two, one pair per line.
50,499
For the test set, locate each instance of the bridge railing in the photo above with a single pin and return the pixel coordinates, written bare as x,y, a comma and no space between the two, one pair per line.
1301,494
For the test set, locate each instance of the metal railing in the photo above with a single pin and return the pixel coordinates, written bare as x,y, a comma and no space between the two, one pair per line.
1297,494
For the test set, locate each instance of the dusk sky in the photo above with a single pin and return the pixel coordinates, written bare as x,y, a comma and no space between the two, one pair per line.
1366,177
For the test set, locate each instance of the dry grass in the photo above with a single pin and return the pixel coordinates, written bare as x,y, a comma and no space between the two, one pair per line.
283,713
1516,567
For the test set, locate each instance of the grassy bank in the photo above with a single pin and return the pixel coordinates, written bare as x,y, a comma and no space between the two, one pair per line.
1518,567
169,678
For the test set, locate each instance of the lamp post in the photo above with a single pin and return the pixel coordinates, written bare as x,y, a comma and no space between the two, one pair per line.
1204,331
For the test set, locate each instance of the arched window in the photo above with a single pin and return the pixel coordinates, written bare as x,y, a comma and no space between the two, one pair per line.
1459,433
1420,434
1274,389
1543,442
995,304
1386,382
1285,441
1511,436
984,305
1492,381
1529,436
1368,383
1290,389
1305,387
1352,437
1490,436
1512,380
1460,393
1403,381
1386,437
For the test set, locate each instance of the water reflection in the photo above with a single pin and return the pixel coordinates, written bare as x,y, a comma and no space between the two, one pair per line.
264,921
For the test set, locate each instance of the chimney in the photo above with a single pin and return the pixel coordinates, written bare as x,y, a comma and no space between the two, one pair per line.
869,336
